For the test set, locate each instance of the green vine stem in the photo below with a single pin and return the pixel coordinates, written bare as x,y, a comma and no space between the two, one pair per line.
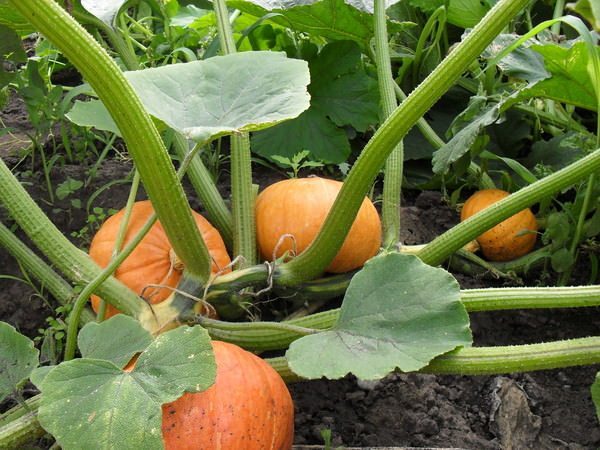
218,212
498,360
392,182
261,337
142,138
34,265
444,245
71,261
242,196
313,261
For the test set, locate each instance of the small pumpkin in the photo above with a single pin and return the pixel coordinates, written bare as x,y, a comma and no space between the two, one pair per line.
248,407
508,240
153,261
298,207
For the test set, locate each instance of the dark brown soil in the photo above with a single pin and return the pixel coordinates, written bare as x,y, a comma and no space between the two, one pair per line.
542,410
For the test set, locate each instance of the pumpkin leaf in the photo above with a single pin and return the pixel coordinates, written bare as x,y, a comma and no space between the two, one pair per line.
99,340
18,358
331,19
225,94
397,313
88,403
342,93
311,131
105,10
92,113
571,81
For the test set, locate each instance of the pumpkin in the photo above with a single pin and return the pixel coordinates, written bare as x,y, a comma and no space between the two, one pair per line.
298,207
508,240
247,408
153,261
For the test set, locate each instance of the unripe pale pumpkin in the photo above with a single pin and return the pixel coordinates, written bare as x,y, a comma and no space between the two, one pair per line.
247,408
510,239
153,261
299,207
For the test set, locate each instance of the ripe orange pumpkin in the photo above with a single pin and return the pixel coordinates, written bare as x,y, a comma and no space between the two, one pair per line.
509,239
153,261
247,408
299,207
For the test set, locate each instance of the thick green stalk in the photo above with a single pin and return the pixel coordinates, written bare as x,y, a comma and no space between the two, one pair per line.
242,197
497,360
34,265
207,191
313,261
261,338
140,134
242,200
444,245
392,181
71,261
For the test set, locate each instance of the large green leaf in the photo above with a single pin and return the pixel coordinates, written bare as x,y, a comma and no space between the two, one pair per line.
93,404
397,313
99,340
225,94
18,358
571,81
105,10
341,89
332,19
341,92
310,131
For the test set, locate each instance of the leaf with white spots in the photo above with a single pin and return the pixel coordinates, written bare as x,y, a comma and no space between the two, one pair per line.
93,404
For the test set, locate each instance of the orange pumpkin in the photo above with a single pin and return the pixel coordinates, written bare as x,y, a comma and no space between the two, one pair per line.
247,408
153,261
298,207
511,238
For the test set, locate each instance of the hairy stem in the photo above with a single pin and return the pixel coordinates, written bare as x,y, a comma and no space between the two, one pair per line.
313,260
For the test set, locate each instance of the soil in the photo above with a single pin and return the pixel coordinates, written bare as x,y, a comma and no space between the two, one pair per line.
541,410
